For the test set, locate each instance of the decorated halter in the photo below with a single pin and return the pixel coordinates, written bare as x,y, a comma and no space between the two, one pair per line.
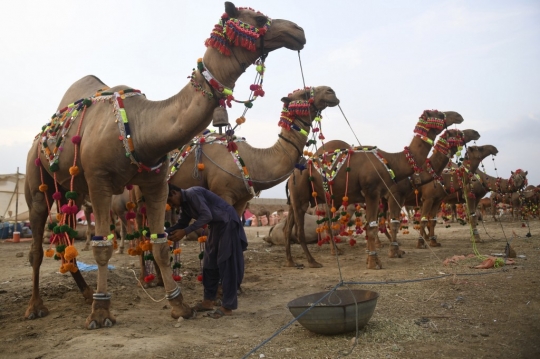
230,32
294,110
425,123
518,173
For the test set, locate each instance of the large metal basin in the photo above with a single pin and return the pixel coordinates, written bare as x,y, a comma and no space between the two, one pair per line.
337,313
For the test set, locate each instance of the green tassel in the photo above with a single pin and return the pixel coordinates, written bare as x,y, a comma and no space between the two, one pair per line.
201,255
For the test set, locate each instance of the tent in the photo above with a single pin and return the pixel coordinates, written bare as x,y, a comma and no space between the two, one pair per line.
12,202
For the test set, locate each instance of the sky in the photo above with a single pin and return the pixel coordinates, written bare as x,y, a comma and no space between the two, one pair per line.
387,61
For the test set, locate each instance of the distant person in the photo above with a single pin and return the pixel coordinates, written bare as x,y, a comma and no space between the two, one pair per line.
223,260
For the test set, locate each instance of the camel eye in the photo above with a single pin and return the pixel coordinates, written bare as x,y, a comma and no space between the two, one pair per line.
261,20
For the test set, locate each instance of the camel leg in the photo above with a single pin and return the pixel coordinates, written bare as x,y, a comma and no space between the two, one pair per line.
372,205
87,214
123,232
432,237
393,212
156,199
102,247
38,217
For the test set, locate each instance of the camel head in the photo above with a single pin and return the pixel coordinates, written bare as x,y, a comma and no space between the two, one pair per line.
306,105
518,179
470,135
478,153
432,122
253,32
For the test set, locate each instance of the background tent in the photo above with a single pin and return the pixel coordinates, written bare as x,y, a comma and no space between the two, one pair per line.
12,202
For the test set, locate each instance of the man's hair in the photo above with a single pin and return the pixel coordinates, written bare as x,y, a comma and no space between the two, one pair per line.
173,187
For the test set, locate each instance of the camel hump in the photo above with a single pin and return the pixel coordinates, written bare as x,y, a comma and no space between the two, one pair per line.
82,88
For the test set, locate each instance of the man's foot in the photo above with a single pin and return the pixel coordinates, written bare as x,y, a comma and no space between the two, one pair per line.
219,312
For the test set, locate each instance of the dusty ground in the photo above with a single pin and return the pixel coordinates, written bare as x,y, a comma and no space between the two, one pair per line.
491,313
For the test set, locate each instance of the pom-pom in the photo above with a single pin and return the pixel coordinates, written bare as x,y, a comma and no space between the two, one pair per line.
76,139
177,251
129,187
177,278
149,278
43,188
49,253
74,170
70,253
146,246
313,194
37,162
200,166
142,210
199,277
130,205
167,207
201,239
57,196
240,120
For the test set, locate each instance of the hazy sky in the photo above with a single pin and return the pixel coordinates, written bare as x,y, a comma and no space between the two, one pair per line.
387,61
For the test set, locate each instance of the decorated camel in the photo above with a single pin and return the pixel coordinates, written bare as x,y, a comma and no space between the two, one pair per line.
235,171
120,138
523,203
459,185
433,194
339,175
448,144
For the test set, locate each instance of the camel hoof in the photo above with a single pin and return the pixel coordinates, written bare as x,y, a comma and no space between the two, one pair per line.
107,323
92,325
315,265
421,244
373,262
39,314
396,253
38,310
433,243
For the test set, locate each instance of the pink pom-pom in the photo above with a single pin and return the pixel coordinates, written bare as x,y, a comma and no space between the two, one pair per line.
142,210
129,187
76,139
60,149
254,87
73,209
37,162
65,208
157,170
130,215
57,196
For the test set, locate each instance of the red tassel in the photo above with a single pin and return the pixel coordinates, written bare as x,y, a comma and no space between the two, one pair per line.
232,147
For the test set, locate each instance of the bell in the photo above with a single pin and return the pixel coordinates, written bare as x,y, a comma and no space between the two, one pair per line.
220,118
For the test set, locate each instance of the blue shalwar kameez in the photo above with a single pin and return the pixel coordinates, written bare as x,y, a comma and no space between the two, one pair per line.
223,254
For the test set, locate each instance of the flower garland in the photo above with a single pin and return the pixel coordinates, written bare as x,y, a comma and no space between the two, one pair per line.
410,159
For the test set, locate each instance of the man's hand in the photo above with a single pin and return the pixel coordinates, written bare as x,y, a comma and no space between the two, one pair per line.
177,235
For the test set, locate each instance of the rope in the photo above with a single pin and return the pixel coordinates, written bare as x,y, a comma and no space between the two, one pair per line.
148,294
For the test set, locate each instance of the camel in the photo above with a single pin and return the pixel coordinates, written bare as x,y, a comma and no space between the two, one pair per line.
465,181
434,194
265,210
121,138
525,203
448,144
263,168
367,175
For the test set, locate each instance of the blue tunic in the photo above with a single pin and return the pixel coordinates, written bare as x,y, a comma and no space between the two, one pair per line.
226,233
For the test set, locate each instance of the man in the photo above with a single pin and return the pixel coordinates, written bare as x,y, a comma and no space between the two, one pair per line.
223,259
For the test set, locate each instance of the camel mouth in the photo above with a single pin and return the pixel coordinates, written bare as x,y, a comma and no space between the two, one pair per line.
287,34
332,103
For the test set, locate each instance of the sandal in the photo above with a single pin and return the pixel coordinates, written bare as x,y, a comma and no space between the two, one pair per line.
216,314
199,308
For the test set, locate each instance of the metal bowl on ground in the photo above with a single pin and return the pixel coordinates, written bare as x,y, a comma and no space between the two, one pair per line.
337,313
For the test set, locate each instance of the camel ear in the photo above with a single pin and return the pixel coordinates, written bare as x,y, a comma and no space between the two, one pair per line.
526,173
512,172
286,100
231,10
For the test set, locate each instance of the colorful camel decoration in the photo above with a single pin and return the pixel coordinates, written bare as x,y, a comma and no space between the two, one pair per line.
448,144
452,183
235,170
120,138
366,174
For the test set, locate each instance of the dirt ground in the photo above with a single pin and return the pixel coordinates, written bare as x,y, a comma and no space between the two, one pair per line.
470,313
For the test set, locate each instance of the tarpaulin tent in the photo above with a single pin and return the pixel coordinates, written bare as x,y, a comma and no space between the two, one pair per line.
12,202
